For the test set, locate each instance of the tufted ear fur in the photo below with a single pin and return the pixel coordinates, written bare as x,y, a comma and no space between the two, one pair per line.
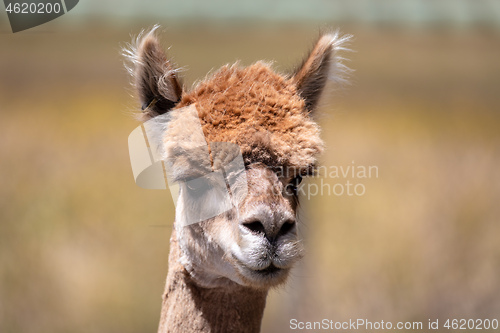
155,79
322,63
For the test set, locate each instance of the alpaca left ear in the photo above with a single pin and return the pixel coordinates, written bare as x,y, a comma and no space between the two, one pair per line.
322,63
155,78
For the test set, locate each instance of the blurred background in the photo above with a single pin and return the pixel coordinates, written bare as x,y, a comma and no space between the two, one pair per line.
83,249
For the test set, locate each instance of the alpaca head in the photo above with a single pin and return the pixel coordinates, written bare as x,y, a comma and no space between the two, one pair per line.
268,117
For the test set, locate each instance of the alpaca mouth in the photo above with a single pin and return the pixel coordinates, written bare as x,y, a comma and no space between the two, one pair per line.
271,269
270,272
269,276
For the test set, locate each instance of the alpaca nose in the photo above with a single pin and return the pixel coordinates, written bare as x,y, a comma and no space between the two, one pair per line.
271,231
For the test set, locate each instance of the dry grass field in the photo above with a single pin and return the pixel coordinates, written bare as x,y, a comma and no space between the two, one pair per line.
83,249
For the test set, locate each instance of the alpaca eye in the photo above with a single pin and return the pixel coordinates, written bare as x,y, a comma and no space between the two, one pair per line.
297,180
197,188
291,188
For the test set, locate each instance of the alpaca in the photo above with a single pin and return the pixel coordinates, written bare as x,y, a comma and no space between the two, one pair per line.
221,269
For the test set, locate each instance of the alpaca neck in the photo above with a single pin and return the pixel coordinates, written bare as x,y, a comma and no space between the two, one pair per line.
188,307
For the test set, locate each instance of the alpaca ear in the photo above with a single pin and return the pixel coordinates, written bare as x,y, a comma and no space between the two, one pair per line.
322,63
155,79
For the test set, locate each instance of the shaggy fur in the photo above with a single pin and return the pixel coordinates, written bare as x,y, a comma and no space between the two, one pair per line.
259,110
221,269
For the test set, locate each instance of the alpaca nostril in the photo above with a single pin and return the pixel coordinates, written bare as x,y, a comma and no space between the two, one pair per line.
255,227
286,228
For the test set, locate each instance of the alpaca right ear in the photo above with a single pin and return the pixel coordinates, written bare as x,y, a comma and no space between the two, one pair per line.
155,79
322,63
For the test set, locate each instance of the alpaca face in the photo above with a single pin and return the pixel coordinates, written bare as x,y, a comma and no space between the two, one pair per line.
254,244
268,117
